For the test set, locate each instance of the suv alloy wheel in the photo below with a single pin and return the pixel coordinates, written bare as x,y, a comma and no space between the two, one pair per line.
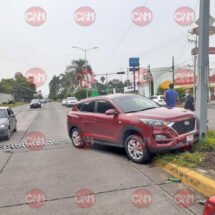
76,138
136,149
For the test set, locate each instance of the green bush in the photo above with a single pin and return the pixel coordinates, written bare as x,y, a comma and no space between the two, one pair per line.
186,159
207,144
181,92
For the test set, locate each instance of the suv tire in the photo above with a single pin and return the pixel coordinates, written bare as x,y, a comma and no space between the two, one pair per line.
76,138
136,149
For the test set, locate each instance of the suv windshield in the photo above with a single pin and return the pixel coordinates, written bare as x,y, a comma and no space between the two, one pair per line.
3,113
134,103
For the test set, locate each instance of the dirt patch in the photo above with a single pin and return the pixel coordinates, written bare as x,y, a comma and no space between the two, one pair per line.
209,160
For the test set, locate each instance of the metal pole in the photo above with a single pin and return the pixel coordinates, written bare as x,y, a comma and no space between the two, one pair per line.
194,69
149,80
127,76
203,66
134,80
107,83
173,70
85,58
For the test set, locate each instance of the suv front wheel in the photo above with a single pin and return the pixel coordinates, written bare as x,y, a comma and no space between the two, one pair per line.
76,138
136,149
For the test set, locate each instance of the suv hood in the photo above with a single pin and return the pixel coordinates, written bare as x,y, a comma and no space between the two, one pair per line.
163,113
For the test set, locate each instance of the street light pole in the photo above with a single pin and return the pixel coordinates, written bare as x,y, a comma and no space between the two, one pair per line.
85,59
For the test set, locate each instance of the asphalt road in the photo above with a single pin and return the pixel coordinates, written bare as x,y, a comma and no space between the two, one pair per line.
60,175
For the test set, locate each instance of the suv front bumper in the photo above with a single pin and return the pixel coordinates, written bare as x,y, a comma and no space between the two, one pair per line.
176,142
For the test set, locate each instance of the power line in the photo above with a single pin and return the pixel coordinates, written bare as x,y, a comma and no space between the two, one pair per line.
26,63
120,41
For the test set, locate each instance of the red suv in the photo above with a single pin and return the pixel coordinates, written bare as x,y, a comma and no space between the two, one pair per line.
133,122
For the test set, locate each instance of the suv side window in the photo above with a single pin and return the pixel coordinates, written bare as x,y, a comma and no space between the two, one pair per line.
103,106
88,106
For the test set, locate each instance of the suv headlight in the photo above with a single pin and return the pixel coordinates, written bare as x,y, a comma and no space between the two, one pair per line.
3,126
154,122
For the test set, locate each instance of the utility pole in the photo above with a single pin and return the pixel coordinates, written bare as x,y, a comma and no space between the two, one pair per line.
203,67
86,72
149,79
173,70
107,83
194,65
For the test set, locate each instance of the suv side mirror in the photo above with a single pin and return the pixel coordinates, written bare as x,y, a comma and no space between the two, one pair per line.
111,112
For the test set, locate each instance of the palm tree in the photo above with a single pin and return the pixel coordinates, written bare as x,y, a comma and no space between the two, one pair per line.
54,86
79,71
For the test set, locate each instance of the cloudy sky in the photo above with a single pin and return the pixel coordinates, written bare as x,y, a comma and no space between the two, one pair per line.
118,27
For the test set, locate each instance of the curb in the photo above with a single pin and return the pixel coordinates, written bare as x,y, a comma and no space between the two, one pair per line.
189,177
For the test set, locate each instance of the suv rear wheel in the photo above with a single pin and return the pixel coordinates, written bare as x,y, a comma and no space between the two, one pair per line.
136,149
76,138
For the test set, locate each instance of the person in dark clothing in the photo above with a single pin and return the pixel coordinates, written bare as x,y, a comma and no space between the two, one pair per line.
189,101
171,97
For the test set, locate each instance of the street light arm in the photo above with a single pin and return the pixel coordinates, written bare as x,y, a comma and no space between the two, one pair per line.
76,47
85,50
95,47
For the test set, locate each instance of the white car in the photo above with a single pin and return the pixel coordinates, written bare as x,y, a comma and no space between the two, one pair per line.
158,99
64,102
70,101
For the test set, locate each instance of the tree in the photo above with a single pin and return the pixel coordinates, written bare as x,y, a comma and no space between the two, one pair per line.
70,81
79,71
54,86
20,88
102,79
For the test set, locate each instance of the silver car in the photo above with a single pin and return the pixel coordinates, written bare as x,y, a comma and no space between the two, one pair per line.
8,122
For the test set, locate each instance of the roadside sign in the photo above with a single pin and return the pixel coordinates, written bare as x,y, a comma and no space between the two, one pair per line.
134,62
211,50
133,69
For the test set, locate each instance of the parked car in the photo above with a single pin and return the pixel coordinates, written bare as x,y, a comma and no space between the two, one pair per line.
64,102
43,100
8,122
158,99
70,101
35,103
132,122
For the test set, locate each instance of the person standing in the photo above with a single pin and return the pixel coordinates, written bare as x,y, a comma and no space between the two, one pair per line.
171,97
189,101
